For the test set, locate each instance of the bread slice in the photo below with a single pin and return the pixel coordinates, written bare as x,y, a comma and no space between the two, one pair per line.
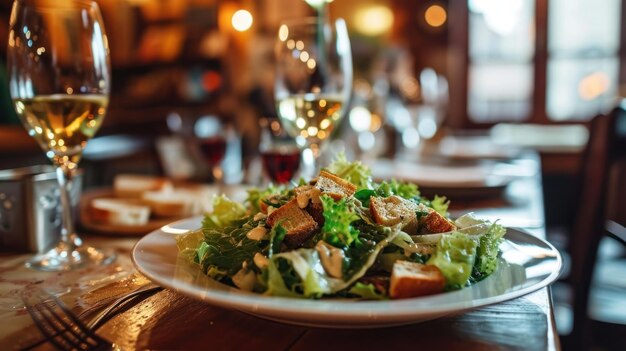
112,211
175,203
134,185
392,210
435,223
410,279
334,186
299,224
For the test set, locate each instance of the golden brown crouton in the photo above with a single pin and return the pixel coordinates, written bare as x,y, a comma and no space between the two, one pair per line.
299,225
435,223
334,186
392,210
308,197
410,279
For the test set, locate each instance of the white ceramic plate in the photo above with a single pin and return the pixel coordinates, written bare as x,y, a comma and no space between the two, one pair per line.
527,264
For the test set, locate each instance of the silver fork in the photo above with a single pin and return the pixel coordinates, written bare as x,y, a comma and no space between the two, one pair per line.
59,325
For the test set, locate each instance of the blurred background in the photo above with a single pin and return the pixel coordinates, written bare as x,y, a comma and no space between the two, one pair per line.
526,73
463,65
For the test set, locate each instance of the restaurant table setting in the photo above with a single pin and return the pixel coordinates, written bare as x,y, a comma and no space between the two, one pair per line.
126,283
194,311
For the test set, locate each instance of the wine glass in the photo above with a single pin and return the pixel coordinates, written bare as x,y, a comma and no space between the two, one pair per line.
313,82
211,136
59,76
279,153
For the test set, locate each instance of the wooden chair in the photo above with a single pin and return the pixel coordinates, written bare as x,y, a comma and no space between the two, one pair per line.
601,211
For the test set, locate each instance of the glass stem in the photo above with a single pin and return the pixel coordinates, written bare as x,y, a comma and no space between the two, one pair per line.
310,162
68,240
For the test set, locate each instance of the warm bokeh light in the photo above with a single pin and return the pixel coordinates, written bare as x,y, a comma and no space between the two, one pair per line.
242,20
283,32
373,20
593,85
311,63
435,15
360,119
211,81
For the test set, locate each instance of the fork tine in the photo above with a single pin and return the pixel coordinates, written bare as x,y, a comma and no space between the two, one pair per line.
89,334
38,319
59,325
83,334
62,329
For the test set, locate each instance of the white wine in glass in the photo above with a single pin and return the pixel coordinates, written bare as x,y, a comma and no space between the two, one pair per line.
313,82
312,118
59,79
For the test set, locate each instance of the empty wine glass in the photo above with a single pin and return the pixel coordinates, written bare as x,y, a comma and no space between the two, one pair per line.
313,82
58,66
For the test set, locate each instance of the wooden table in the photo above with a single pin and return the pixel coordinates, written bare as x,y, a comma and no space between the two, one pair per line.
168,320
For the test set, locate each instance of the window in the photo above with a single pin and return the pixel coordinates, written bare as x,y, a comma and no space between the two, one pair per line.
540,61
583,61
501,53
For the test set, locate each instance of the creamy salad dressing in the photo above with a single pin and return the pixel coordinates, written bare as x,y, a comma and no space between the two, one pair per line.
332,259
257,233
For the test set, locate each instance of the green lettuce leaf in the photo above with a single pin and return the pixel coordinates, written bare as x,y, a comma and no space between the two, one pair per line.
364,195
275,283
406,190
228,248
487,252
338,216
355,172
455,256
277,235
305,276
366,291
188,243
225,213
490,237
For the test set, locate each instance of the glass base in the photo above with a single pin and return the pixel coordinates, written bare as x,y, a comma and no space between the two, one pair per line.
57,260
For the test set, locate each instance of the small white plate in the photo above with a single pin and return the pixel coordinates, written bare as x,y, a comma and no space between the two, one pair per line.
527,264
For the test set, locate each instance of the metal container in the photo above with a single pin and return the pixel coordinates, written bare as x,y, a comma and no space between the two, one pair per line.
30,208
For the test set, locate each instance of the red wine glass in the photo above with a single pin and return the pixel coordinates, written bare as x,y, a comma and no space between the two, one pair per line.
279,152
212,144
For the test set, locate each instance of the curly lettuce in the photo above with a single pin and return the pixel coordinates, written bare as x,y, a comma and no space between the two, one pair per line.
455,256
487,252
408,191
355,172
225,213
338,217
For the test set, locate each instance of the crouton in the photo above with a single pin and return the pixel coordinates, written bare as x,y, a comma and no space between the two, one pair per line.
300,226
433,222
308,197
334,186
392,210
410,279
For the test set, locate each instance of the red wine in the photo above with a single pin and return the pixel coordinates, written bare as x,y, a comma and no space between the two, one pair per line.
281,165
213,149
